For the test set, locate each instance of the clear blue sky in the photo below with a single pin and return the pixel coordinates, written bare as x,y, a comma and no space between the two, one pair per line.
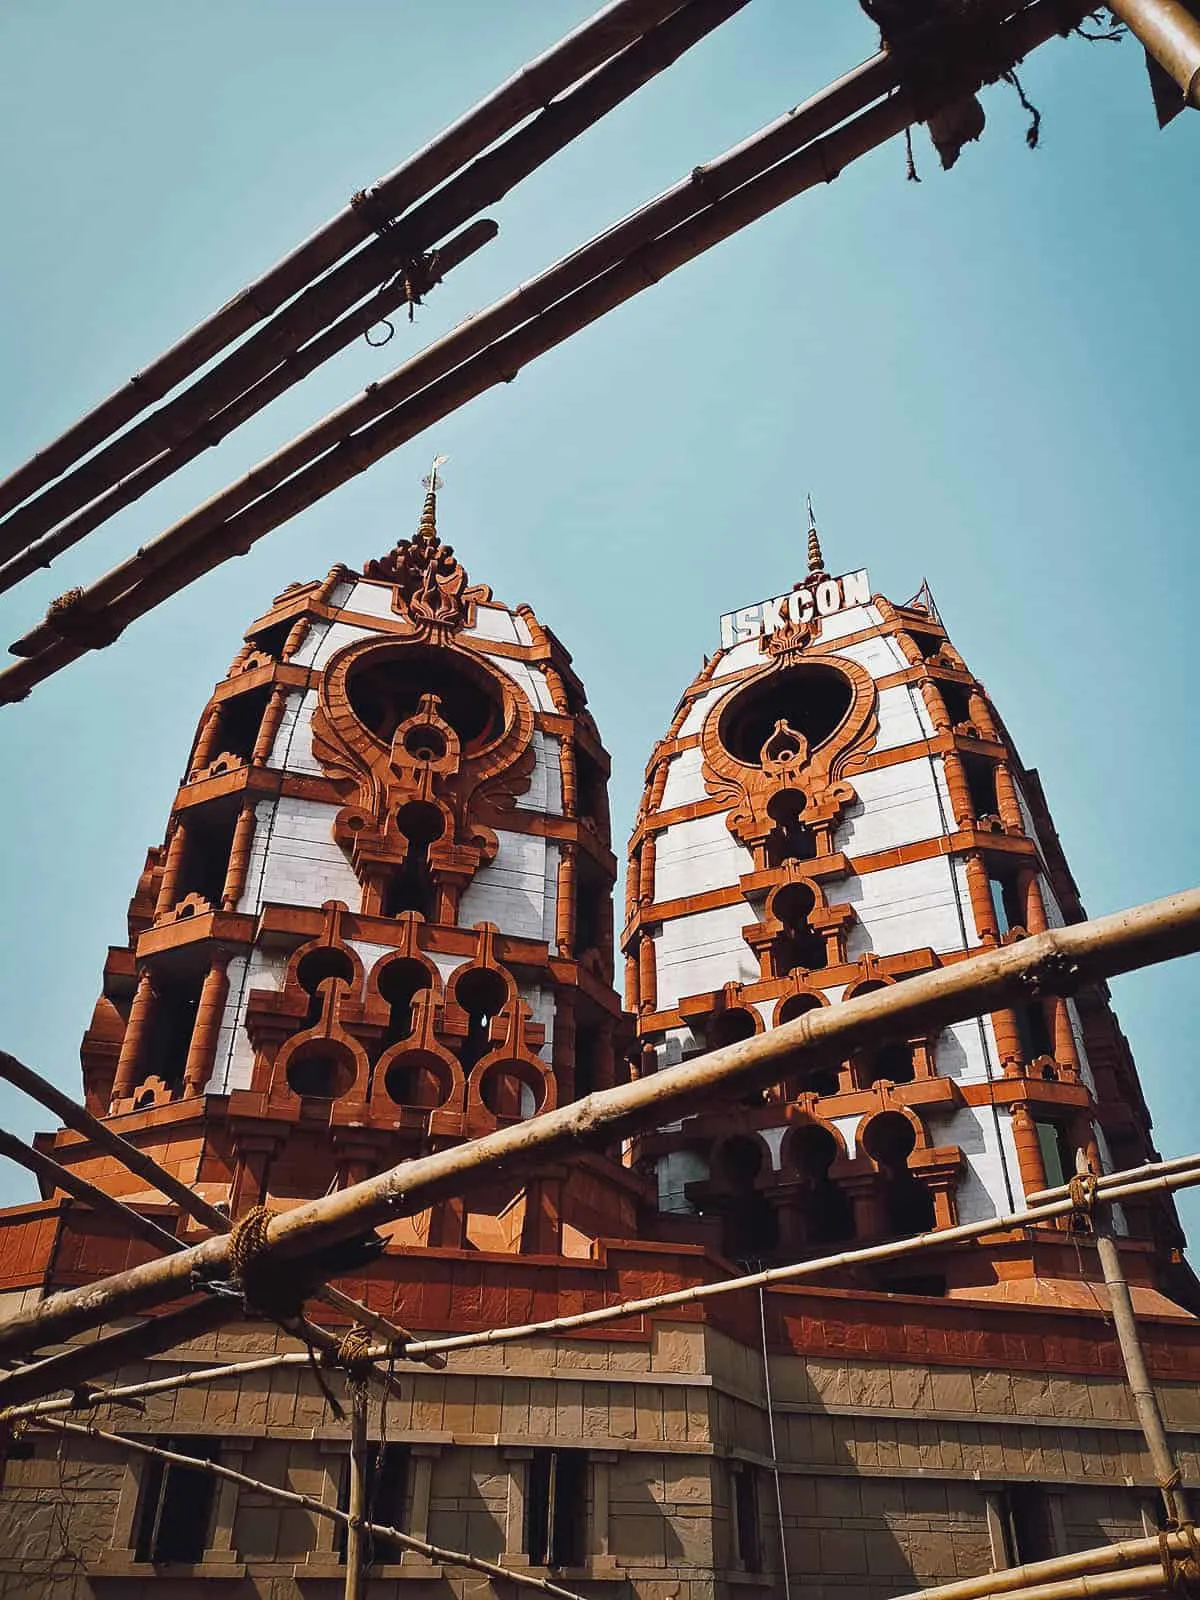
982,378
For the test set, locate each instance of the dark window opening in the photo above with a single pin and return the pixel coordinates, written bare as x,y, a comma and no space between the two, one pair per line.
386,1494
1058,1153
799,947
745,1518
827,1215
791,839
400,983
927,643
819,1077
412,887
314,969
956,698
592,901
588,1042
1034,1031
1007,901
730,1027
511,1090
591,790
481,993
271,640
175,1506
1030,1529
905,1202
417,1079
205,863
891,1063
385,692
751,1226
812,700
556,1508
239,720
981,782
169,1035
320,1071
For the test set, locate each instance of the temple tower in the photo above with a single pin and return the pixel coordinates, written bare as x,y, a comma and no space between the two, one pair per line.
837,806
381,915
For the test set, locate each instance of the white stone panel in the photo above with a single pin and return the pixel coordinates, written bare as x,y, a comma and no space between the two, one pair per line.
511,890
233,1064
694,720
746,654
701,952
495,622
684,784
337,636
981,1192
852,620
531,682
370,954
879,656
895,806
545,785
292,749
371,599
550,895
294,860
541,1009
901,908
902,718
963,1052
693,857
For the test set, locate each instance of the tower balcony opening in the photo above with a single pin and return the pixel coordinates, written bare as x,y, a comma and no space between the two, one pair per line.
811,699
387,686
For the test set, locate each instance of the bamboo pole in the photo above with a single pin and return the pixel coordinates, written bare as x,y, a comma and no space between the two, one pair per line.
1130,1581
1104,1558
306,1502
177,557
705,186
356,1565
611,29
1061,958
55,1176
1170,32
265,364
1106,1179
194,1205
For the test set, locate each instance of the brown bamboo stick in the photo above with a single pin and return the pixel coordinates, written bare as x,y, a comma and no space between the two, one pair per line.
704,187
1129,1581
611,29
55,1176
433,1552
1105,1180
356,1566
1170,32
1105,1557
485,181
194,1205
1062,958
176,559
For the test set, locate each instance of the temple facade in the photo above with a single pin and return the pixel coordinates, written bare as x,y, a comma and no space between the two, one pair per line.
380,923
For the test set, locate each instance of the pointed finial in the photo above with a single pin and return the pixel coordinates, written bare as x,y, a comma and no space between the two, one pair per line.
432,484
816,561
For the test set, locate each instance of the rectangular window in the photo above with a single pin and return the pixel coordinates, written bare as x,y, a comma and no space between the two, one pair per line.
556,1508
1029,1524
745,1518
1034,1031
175,1506
386,1498
1058,1157
1006,901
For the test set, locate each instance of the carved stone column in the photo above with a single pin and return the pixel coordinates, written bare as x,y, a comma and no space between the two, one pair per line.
647,973
633,990
960,789
202,1051
297,634
1029,1149
646,869
980,891
220,1550
981,715
422,1457
935,706
239,856
141,1016
206,744
564,911
1006,800
168,889
1031,899
570,789
269,727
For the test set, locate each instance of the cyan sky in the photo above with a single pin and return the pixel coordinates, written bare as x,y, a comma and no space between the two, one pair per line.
985,378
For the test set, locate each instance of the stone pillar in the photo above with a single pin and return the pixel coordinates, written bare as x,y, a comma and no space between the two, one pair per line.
518,1488
1065,1050
325,1530
633,991
269,727
1031,899
564,911
997,1528
862,1188
979,890
647,973
141,1015
960,789
206,744
1029,1149
981,715
329,583
1006,800
239,856
1008,1038
220,1550
935,706
202,1051
657,785
168,889
422,1457
297,634
632,880
570,788
646,869
121,1549
599,1545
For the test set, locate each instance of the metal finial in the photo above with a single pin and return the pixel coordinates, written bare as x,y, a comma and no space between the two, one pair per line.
431,481
816,561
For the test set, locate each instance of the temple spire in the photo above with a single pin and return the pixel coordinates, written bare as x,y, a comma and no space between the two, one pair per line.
816,561
427,528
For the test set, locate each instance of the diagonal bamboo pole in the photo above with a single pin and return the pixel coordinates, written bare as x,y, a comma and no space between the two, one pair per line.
307,1502
611,29
194,1205
1107,1179
1060,959
1103,1558
1176,1178
60,1177
266,363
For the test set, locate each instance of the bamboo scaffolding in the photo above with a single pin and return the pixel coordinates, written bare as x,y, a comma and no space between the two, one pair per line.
1131,1582
50,1172
194,1205
184,553
1107,1179
433,1552
266,363
595,41
1082,1563
457,1342
356,1563
1170,33
1060,959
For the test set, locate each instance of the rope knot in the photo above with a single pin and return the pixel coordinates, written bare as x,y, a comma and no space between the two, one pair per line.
273,1289
1083,1188
353,1352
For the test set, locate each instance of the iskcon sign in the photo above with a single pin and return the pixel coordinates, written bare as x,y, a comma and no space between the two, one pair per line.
802,604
